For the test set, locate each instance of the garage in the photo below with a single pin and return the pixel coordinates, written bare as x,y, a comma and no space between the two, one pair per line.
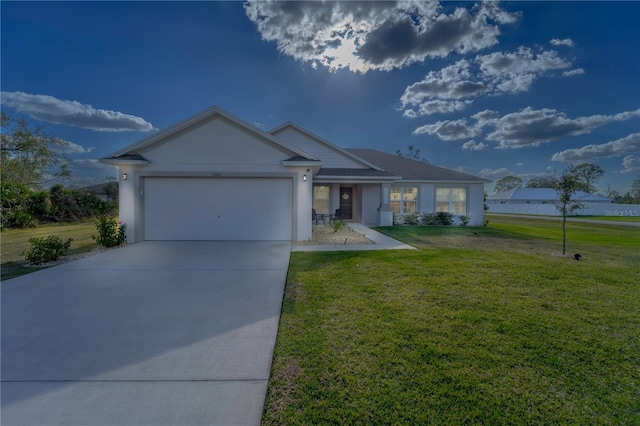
185,208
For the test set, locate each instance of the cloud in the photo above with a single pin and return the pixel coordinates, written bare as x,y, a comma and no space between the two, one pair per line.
73,113
571,73
631,164
474,146
564,42
493,74
627,145
530,127
90,164
519,164
62,146
494,173
450,130
363,36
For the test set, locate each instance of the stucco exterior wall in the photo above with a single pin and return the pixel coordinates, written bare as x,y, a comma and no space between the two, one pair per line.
216,149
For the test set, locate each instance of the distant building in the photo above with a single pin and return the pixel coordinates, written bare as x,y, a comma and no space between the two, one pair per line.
541,196
542,201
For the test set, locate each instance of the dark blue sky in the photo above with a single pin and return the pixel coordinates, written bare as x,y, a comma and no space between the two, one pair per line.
493,89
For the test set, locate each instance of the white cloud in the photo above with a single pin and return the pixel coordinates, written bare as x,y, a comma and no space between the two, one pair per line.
73,113
474,146
494,173
496,73
65,147
564,42
577,71
363,36
627,145
90,164
463,169
530,127
519,164
631,164
449,130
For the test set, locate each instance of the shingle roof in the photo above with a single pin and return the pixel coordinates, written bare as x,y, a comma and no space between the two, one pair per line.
412,169
353,172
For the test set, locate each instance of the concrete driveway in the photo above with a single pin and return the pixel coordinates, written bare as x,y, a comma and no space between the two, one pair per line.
157,333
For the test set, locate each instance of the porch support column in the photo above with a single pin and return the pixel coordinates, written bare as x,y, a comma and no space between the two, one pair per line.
385,214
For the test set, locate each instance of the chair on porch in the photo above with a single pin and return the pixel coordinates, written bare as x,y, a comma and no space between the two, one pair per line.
316,217
337,216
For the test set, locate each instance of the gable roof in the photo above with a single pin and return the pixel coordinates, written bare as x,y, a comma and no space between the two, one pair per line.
323,141
543,194
192,121
412,169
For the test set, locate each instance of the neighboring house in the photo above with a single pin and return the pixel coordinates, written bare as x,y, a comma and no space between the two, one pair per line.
542,201
214,176
541,196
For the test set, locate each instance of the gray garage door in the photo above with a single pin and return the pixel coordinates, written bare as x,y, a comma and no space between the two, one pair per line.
217,208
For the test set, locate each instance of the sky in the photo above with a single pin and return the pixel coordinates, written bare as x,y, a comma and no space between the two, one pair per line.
488,88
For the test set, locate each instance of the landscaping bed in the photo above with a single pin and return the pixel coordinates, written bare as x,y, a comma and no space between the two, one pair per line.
325,235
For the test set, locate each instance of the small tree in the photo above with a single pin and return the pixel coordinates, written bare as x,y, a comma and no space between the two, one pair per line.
586,174
548,181
412,154
566,185
508,182
635,190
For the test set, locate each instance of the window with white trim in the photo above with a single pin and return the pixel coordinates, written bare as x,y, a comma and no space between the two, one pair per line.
321,199
404,200
451,200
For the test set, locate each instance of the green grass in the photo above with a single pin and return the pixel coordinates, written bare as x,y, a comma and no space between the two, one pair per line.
15,241
469,329
613,218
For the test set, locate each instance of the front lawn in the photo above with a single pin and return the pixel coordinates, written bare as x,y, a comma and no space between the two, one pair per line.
478,326
15,241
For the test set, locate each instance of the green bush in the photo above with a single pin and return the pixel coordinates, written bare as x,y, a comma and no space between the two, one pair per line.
18,217
411,219
111,233
337,225
46,249
465,219
444,218
427,218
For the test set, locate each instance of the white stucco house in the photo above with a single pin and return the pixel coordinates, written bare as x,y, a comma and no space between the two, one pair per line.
214,176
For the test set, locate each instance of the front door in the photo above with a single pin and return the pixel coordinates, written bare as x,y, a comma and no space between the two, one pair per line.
346,202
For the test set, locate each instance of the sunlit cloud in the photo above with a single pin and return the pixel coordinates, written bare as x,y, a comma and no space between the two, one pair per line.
627,145
73,113
364,36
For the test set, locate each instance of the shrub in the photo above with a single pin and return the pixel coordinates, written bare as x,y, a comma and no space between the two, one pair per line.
18,217
444,218
465,219
427,218
397,219
411,219
111,233
337,225
46,249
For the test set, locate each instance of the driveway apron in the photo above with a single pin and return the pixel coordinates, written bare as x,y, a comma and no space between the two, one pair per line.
155,333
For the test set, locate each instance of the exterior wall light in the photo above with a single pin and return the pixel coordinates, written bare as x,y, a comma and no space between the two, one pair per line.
304,178
124,176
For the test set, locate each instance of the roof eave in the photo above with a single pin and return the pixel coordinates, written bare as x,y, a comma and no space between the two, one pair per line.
303,163
123,161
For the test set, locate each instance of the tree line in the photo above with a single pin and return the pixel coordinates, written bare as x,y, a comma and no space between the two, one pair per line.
29,161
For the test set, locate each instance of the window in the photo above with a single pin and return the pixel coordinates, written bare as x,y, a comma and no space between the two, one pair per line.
404,200
451,200
321,199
